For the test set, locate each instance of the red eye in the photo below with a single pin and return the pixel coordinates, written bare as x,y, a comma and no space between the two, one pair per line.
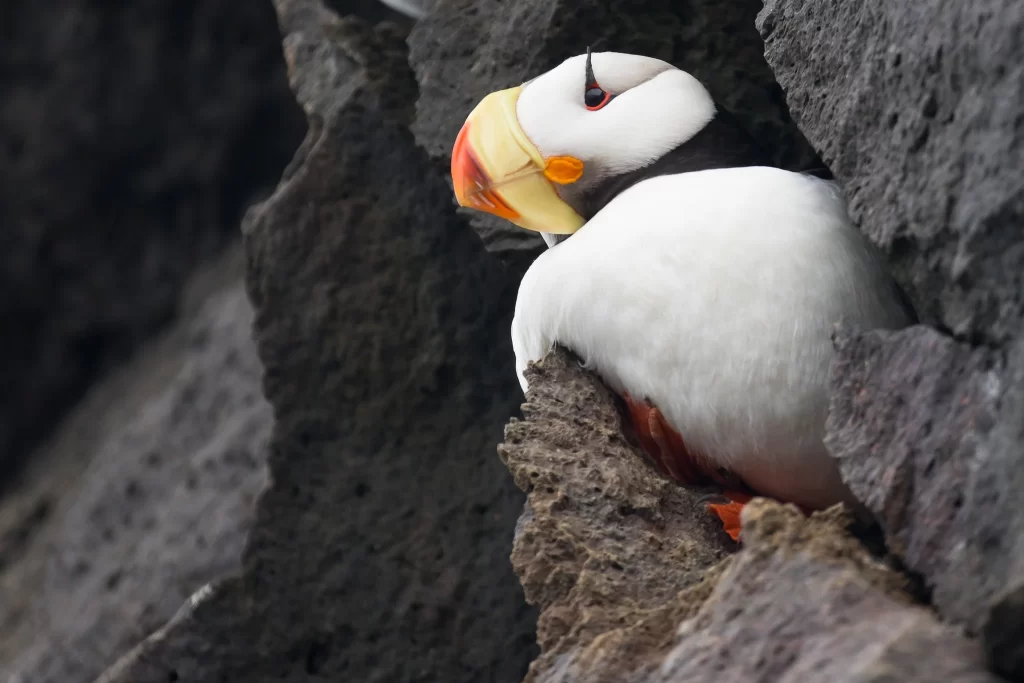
595,98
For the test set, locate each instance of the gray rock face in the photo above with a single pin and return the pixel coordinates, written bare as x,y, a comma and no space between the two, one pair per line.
803,602
465,49
917,111
133,136
380,548
628,571
927,435
144,495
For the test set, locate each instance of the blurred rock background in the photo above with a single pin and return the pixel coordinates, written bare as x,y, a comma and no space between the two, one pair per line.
255,364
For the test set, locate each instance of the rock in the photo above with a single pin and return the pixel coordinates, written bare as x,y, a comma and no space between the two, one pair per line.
145,494
380,547
916,111
925,429
805,602
629,575
133,136
465,49
607,544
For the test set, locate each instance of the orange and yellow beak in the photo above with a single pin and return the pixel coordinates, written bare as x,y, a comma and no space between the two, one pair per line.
496,169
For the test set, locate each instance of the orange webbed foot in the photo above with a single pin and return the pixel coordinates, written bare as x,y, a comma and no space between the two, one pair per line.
729,512
662,444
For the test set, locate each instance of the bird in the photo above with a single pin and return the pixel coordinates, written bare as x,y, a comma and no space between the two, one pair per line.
697,279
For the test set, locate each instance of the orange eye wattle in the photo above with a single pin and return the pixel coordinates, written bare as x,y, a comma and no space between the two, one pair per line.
596,97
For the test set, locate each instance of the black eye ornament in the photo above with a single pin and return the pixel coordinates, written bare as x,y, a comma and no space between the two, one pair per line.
594,96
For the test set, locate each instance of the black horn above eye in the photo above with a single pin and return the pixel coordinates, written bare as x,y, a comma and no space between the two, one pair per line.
594,96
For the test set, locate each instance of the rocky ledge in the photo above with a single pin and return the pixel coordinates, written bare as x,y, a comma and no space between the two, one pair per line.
634,583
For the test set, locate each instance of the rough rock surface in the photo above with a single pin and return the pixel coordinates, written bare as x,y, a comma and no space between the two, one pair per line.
380,550
923,429
132,136
144,495
465,49
803,602
916,109
606,542
628,572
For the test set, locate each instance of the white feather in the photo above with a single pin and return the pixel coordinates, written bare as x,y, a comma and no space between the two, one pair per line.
713,294
657,108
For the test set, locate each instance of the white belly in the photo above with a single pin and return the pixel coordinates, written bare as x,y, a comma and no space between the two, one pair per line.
713,295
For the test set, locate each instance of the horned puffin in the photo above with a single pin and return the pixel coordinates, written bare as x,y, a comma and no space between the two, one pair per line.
697,280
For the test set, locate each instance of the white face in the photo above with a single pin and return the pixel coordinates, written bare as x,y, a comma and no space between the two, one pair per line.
656,108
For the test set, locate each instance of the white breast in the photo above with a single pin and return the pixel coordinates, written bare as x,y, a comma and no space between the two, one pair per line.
713,295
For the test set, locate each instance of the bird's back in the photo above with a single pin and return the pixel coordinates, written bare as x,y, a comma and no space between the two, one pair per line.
713,294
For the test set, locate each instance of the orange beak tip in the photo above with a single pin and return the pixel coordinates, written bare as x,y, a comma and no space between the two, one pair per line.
473,188
459,171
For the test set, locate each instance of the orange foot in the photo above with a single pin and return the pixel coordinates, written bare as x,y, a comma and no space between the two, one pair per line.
729,512
666,448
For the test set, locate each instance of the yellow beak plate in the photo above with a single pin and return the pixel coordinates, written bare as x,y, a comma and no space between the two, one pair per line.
496,169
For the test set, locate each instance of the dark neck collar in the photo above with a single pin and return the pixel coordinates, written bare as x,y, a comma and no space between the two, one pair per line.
723,143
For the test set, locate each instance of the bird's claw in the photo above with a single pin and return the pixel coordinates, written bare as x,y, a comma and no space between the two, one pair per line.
712,499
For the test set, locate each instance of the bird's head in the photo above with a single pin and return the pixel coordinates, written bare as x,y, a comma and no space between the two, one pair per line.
549,153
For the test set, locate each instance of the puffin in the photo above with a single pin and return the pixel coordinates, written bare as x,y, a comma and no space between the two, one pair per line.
698,280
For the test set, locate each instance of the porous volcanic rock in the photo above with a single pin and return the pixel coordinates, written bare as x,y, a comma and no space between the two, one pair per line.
803,602
380,548
606,544
916,109
927,432
634,584
132,137
464,49
144,494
